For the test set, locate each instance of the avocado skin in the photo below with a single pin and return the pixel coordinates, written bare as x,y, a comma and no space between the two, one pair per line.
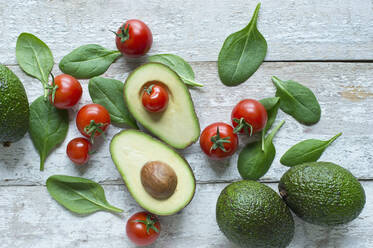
251,214
322,193
14,107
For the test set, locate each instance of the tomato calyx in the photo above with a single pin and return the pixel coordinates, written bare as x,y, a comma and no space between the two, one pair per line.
242,124
124,33
92,128
149,89
218,142
52,88
149,223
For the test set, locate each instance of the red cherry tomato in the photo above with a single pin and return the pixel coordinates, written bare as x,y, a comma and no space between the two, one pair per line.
143,228
249,116
218,140
78,150
134,38
67,91
92,120
155,97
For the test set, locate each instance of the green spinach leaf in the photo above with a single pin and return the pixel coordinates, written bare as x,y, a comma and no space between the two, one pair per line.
109,93
78,194
271,104
242,53
179,65
88,61
306,151
48,127
253,161
298,101
35,58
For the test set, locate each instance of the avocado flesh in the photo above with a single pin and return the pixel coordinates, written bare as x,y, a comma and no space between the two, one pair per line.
251,214
131,150
178,124
322,193
14,107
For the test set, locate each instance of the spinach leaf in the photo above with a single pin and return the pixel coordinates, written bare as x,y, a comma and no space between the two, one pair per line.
253,162
297,101
78,194
35,58
109,93
48,127
88,61
271,104
179,65
306,151
242,53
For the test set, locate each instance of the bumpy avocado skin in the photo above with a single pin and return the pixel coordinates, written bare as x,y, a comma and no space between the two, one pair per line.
322,193
251,214
14,107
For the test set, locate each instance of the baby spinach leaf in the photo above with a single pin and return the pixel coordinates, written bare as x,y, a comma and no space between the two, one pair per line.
242,53
48,127
35,58
109,93
88,61
253,162
271,104
306,151
179,65
78,194
297,101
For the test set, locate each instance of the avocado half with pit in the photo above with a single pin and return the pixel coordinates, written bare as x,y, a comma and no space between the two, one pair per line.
158,178
178,124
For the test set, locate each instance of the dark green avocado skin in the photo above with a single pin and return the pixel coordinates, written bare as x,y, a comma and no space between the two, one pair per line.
251,214
322,193
14,107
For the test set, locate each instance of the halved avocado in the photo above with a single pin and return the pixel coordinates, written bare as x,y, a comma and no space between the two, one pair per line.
178,124
132,151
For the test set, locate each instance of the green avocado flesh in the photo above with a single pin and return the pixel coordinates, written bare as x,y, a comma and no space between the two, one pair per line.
131,150
322,193
178,124
14,107
251,214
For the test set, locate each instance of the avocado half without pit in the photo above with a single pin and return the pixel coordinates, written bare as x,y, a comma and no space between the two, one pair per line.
158,178
177,125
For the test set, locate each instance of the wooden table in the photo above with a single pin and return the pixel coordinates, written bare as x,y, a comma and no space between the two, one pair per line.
326,45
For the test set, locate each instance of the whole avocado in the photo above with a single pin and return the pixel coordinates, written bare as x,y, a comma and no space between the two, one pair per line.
251,214
14,107
322,193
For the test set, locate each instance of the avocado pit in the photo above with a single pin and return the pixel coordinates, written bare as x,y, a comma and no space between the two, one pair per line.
158,179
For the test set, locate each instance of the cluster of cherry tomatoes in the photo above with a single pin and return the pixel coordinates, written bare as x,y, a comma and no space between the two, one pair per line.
133,39
92,119
219,140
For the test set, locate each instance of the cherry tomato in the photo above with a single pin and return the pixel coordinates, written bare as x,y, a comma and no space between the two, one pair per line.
155,97
134,38
249,116
143,228
218,140
65,92
78,150
92,120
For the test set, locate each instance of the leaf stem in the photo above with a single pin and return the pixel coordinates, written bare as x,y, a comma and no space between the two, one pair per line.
275,130
334,138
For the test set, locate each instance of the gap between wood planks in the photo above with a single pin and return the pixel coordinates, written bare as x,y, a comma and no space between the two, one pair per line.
119,183
272,61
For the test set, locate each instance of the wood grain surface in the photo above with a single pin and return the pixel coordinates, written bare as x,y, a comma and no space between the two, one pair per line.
326,45
294,29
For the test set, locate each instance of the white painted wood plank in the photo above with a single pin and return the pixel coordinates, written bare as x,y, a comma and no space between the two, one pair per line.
31,218
344,90
295,30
